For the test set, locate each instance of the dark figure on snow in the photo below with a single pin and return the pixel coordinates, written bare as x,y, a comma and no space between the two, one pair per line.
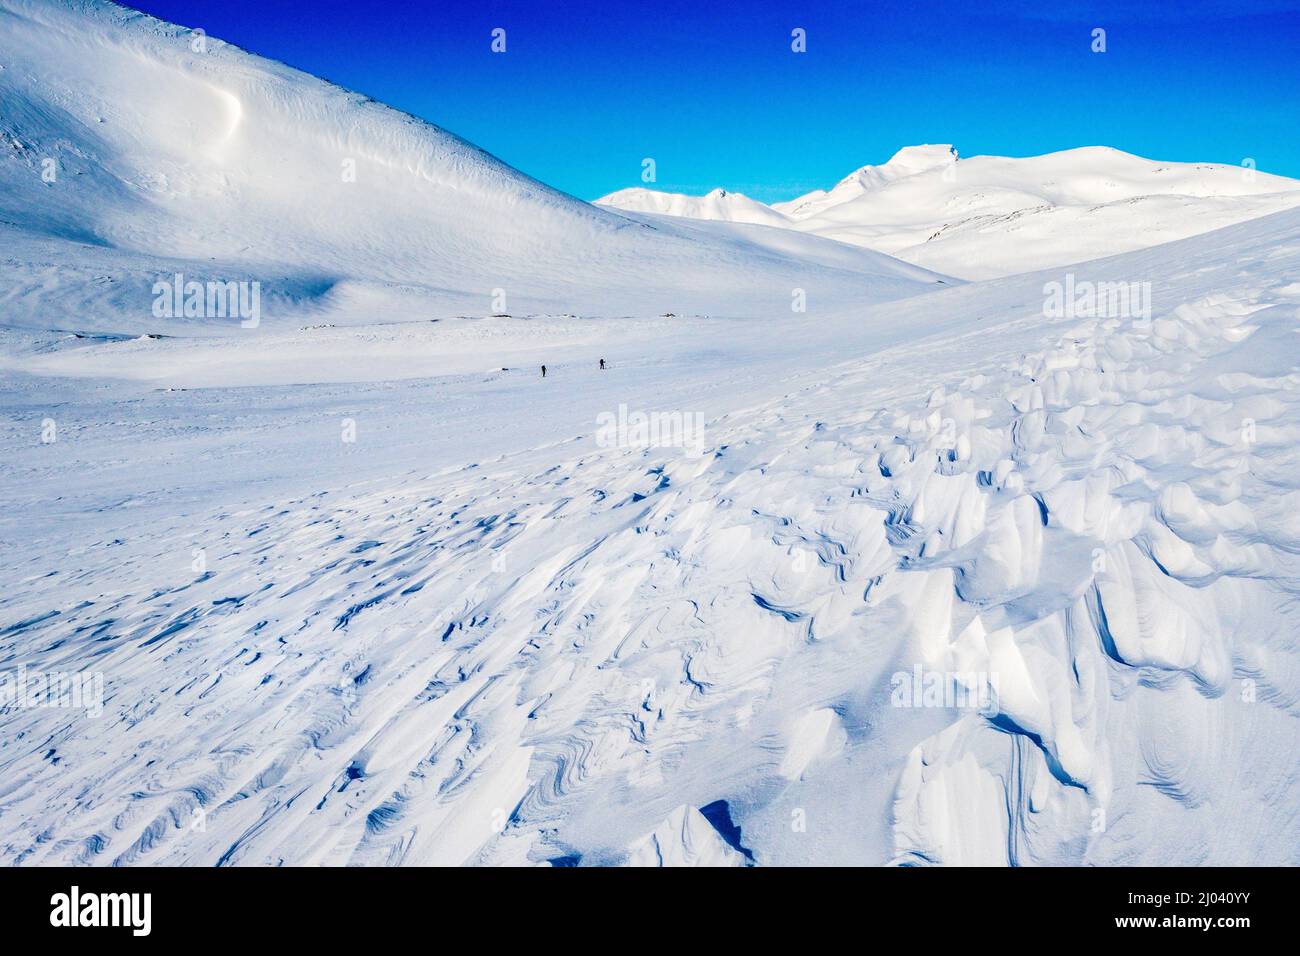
543,371
602,364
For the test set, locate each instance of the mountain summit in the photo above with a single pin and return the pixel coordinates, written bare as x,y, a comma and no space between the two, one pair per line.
990,216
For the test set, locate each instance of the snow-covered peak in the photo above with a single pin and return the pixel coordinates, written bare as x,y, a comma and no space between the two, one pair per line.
718,205
988,216
928,156
906,162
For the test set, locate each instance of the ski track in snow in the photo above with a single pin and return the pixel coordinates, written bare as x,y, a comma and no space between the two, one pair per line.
565,661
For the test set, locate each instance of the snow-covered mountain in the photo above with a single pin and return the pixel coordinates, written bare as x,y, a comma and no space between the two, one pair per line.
908,161
990,216
718,205
926,572
155,150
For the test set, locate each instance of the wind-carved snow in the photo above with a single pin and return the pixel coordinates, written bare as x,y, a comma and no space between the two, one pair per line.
686,838
566,661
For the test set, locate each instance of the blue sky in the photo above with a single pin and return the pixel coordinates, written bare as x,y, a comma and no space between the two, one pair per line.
713,92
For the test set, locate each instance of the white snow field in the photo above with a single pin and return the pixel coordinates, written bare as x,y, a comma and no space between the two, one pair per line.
991,216
363,588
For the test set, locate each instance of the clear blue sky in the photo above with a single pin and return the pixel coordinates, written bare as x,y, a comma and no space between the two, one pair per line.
712,91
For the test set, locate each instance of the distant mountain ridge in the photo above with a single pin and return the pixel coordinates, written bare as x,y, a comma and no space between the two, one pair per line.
990,216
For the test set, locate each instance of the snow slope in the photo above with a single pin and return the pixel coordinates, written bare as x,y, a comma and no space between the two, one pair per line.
991,216
222,165
565,653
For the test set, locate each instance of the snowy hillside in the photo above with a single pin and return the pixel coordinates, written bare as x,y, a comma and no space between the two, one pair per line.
924,572
166,158
991,216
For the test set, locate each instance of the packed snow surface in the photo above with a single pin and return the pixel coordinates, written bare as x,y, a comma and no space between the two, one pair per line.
935,575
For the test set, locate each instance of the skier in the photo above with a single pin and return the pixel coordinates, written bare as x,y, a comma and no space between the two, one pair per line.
543,371
602,364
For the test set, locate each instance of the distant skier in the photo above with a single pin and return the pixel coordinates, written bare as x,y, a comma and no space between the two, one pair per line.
602,364
543,371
